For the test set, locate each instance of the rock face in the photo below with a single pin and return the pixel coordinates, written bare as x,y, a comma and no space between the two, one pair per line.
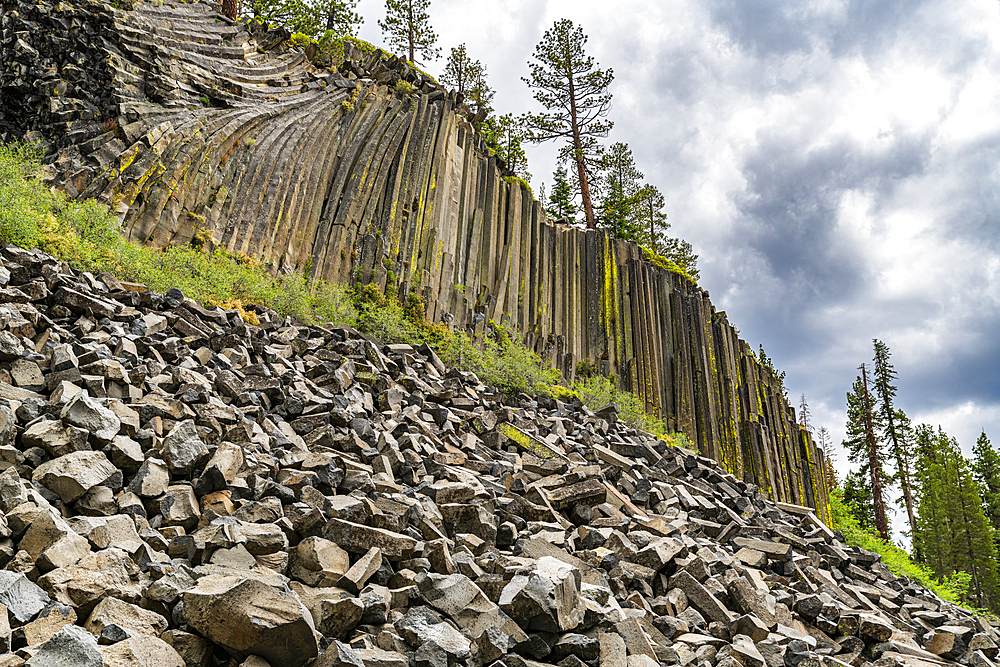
172,112
304,496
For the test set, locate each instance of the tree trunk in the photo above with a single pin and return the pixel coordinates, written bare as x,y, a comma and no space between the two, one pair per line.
652,231
230,8
904,473
410,31
878,497
581,166
330,20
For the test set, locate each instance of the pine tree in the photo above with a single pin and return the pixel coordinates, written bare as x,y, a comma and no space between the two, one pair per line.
560,203
885,390
480,95
986,467
338,15
804,415
460,70
574,93
408,26
823,440
468,77
504,134
858,496
649,210
682,254
953,533
309,17
933,533
622,184
904,443
978,551
863,446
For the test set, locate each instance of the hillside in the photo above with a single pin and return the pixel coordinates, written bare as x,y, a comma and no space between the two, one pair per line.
183,488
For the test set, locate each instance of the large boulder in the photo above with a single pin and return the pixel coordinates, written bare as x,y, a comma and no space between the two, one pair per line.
183,449
72,646
422,627
141,651
547,599
87,413
74,474
22,598
248,617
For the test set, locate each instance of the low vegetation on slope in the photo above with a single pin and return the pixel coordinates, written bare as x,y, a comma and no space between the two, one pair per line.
899,562
85,235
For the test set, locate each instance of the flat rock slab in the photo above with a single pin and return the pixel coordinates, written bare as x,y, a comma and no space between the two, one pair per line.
360,539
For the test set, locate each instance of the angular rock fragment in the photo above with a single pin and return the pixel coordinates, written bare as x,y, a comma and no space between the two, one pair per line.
358,538
72,646
546,599
72,475
22,598
247,617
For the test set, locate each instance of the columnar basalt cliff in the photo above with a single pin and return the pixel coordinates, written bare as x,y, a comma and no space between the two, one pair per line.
194,127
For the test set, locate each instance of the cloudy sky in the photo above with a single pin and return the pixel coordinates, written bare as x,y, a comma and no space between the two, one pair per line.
835,163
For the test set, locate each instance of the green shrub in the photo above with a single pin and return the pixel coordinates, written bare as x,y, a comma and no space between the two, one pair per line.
664,263
405,87
597,392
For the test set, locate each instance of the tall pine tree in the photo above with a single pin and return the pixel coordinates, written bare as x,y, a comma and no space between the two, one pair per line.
953,533
986,465
574,92
885,390
408,26
863,445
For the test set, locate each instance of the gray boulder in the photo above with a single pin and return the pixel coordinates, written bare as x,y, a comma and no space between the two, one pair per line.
87,413
548,599
72,646
183,449
248,617
74,474
22,598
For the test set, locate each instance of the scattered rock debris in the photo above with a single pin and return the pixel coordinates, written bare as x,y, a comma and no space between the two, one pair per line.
179,487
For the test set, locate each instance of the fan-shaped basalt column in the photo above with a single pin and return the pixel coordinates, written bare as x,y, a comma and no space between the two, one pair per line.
196,127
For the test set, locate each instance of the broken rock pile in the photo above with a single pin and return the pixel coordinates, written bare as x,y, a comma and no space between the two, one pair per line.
180,487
